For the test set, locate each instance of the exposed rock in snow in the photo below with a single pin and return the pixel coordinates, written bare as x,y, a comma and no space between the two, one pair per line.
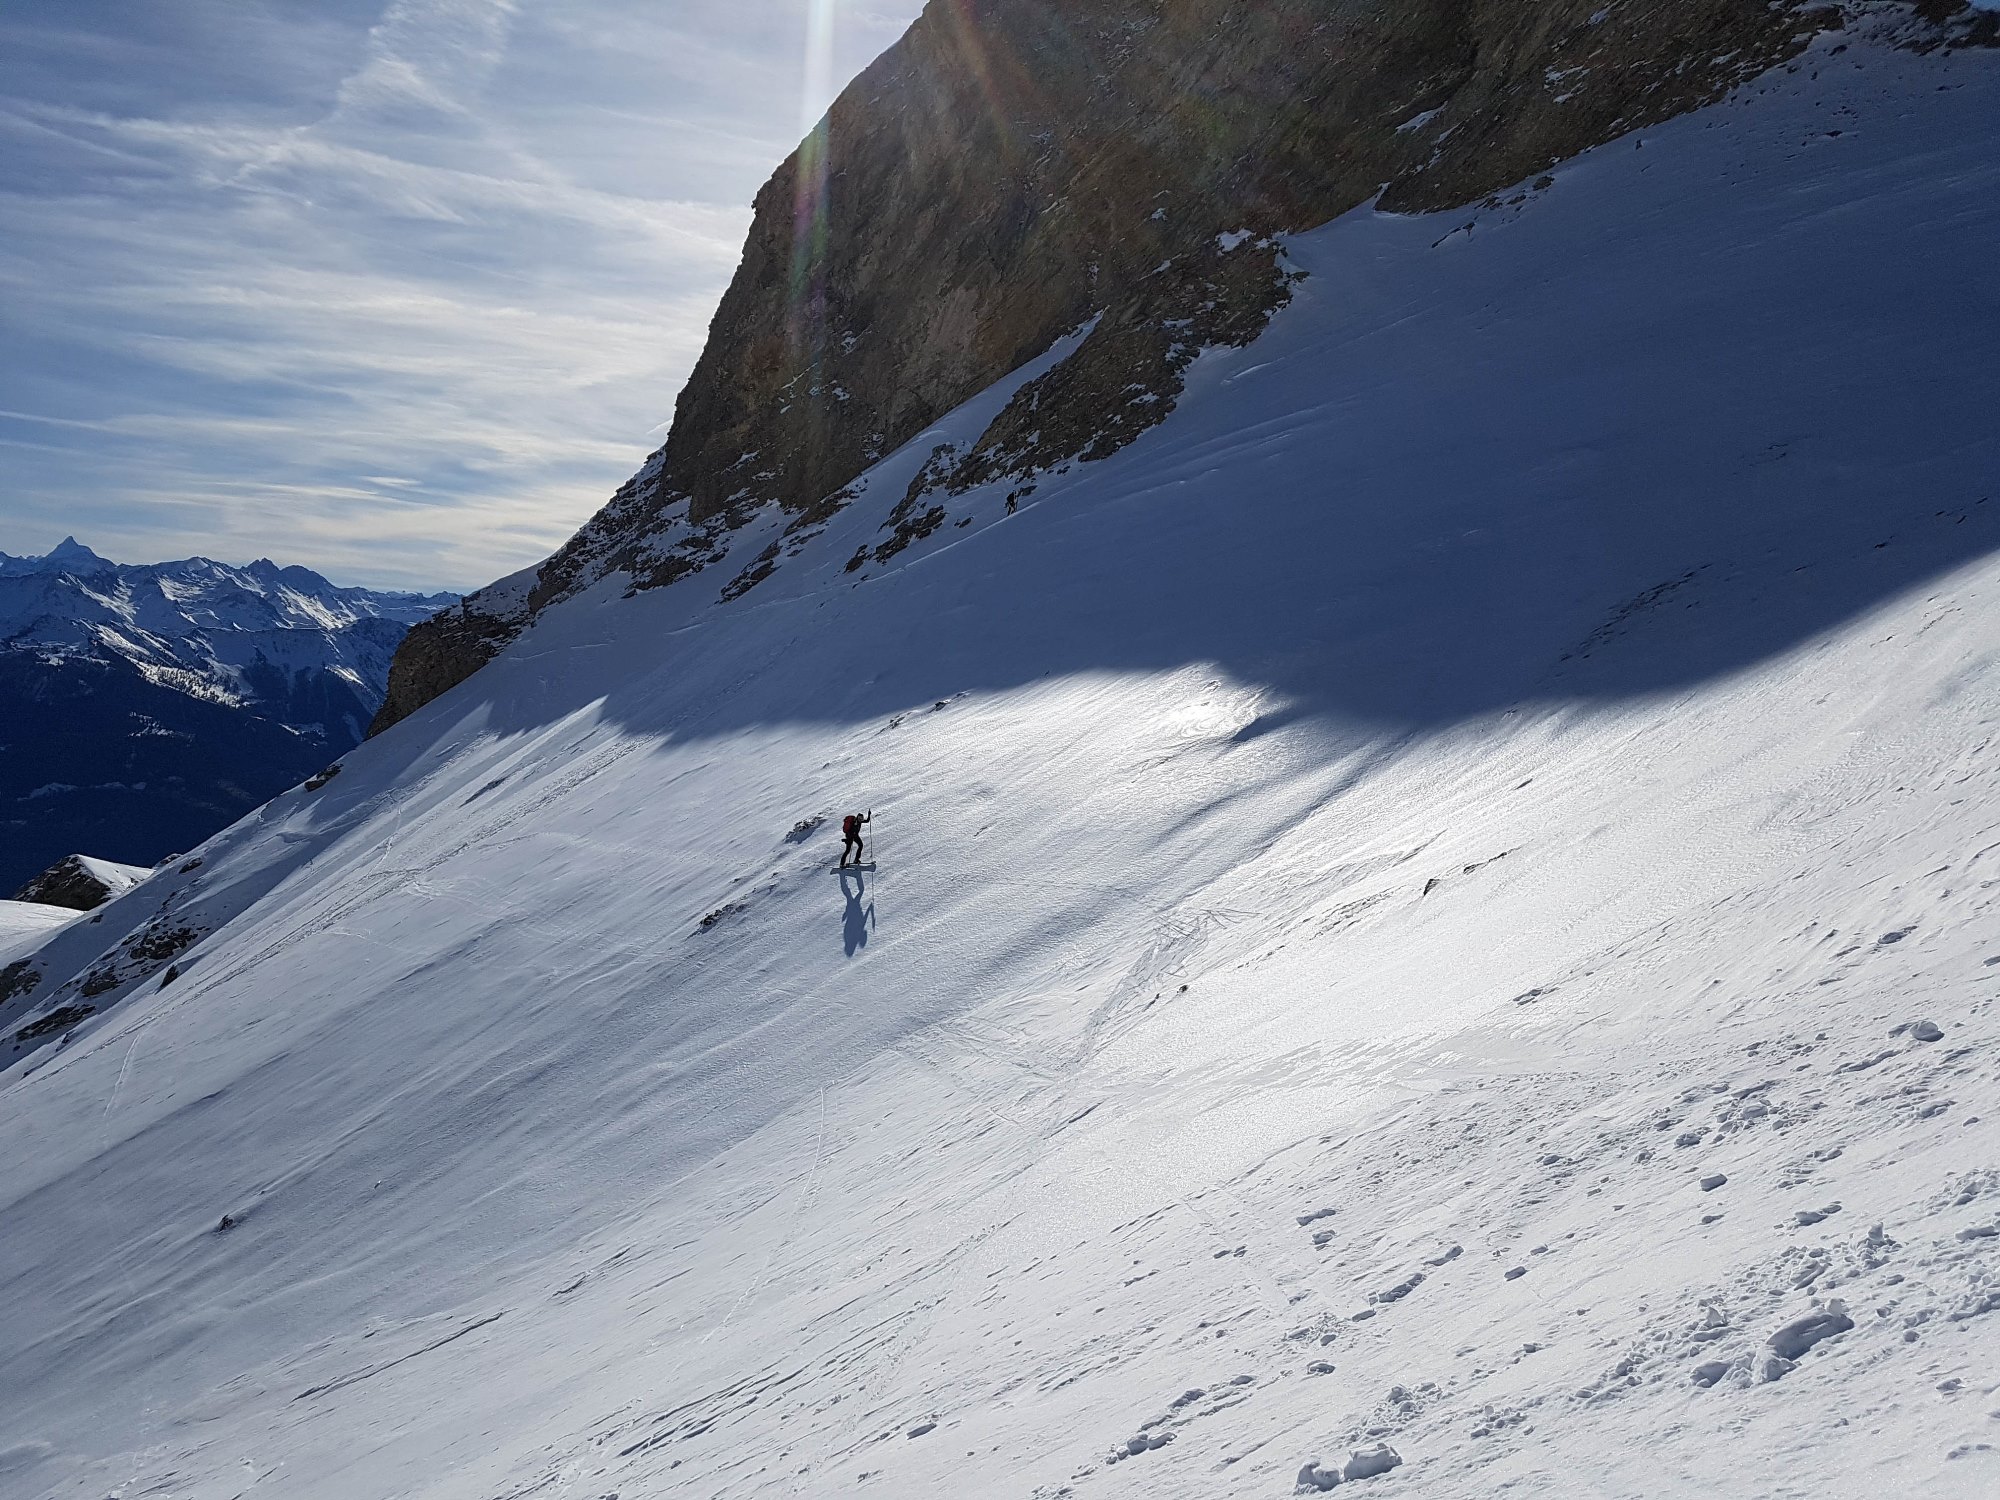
81,883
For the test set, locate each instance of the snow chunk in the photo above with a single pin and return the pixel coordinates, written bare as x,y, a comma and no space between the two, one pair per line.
1799,1335
1366,1463
1362,1463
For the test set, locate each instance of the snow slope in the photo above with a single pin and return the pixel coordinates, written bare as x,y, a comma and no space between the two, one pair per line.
1442,899
26,925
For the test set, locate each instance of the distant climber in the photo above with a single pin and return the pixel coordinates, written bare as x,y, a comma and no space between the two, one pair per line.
850,836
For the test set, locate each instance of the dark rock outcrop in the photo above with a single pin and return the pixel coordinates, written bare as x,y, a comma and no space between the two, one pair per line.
19,978
441,652
1013,168
78,883
85,968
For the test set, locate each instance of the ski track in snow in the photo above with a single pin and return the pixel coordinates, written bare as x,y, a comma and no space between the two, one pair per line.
1572,1070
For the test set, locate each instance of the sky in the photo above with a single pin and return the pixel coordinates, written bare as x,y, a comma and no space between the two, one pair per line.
400,290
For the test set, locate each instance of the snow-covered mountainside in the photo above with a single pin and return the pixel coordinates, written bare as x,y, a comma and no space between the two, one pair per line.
1430,924
26,925
81,883
144,706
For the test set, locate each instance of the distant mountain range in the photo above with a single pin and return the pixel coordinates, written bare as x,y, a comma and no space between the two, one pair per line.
143,707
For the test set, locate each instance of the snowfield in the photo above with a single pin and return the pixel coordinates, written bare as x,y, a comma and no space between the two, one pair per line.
1431,926
26,925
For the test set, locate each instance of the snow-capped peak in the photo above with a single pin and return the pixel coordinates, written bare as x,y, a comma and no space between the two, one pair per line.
67,556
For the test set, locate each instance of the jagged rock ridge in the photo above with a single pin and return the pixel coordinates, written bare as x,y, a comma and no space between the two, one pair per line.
1013,169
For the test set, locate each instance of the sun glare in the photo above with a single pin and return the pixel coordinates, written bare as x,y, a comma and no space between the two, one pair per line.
809,186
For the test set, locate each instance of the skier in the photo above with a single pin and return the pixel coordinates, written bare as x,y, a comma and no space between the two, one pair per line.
850,836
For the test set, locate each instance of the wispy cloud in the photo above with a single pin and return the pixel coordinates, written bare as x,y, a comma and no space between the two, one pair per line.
401,291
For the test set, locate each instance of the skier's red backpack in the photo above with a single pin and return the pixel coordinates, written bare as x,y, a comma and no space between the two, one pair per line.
849,826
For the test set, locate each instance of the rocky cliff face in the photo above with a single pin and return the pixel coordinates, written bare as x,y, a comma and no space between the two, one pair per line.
1014,168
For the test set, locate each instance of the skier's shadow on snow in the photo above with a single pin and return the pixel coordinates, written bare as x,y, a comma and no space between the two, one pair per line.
857,919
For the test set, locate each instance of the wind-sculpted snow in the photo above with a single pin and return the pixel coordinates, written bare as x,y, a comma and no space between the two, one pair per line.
1432,928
